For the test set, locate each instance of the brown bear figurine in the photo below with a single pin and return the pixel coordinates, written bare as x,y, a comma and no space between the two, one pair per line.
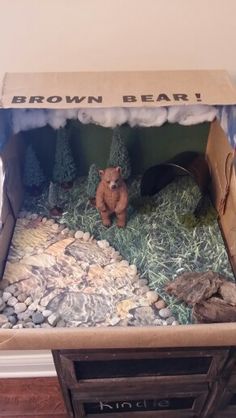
112,196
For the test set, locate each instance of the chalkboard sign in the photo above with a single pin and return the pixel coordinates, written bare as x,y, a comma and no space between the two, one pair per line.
95,369
138,405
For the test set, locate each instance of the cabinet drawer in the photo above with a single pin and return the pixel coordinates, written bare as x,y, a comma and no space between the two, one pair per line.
175,405
84,368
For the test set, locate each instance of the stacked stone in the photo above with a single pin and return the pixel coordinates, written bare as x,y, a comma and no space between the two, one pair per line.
113,285
17,310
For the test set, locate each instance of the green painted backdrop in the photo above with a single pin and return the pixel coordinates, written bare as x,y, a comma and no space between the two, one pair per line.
147,146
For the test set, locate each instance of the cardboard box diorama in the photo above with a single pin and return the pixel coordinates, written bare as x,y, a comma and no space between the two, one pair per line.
118,203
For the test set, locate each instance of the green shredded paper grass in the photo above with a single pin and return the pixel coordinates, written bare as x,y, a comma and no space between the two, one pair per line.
162,237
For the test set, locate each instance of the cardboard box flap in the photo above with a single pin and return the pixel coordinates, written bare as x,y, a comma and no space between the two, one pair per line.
200,335
117,89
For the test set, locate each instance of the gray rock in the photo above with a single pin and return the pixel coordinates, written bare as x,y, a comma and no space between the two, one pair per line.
3,320
53,319
22,297
45,325
86,236
61,324
37,318
11,289
17,293
143,316
46,313
17,326
9,311
174,323
6,296
28,301
152,296
12,301
24,316
79,234
12,319
29,325
158,322
170,320
165,313
20,307
103,243
7,325
115,320
33,306
87,252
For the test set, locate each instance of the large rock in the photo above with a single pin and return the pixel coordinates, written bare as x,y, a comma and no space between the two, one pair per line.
88,252
40,260
192,287
213,310
228,292
58,248
87,308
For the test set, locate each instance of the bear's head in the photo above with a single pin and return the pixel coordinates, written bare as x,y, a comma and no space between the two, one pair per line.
111,177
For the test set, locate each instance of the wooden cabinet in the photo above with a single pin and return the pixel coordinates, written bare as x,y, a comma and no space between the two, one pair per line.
164,383
226,405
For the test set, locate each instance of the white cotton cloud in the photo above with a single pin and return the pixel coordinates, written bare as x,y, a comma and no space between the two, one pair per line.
25,119
106,117
191,114
146,116
58,118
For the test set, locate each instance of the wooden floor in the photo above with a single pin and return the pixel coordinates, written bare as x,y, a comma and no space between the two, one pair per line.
31,398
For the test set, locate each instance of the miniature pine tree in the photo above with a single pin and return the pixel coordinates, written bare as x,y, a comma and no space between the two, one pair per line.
64,167
33,174
93,180
52,195
53,199
119,154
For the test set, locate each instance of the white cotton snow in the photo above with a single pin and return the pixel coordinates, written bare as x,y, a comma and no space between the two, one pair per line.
25,119
191,114
147,117
58,118
106,117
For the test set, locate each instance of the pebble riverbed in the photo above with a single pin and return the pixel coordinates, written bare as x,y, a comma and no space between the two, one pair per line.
56,277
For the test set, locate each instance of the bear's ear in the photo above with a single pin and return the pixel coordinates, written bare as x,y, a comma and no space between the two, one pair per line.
118,169
101,173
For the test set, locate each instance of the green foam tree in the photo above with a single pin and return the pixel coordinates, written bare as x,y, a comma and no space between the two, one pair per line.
52,195
33,174
64,166
93,181
119,154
